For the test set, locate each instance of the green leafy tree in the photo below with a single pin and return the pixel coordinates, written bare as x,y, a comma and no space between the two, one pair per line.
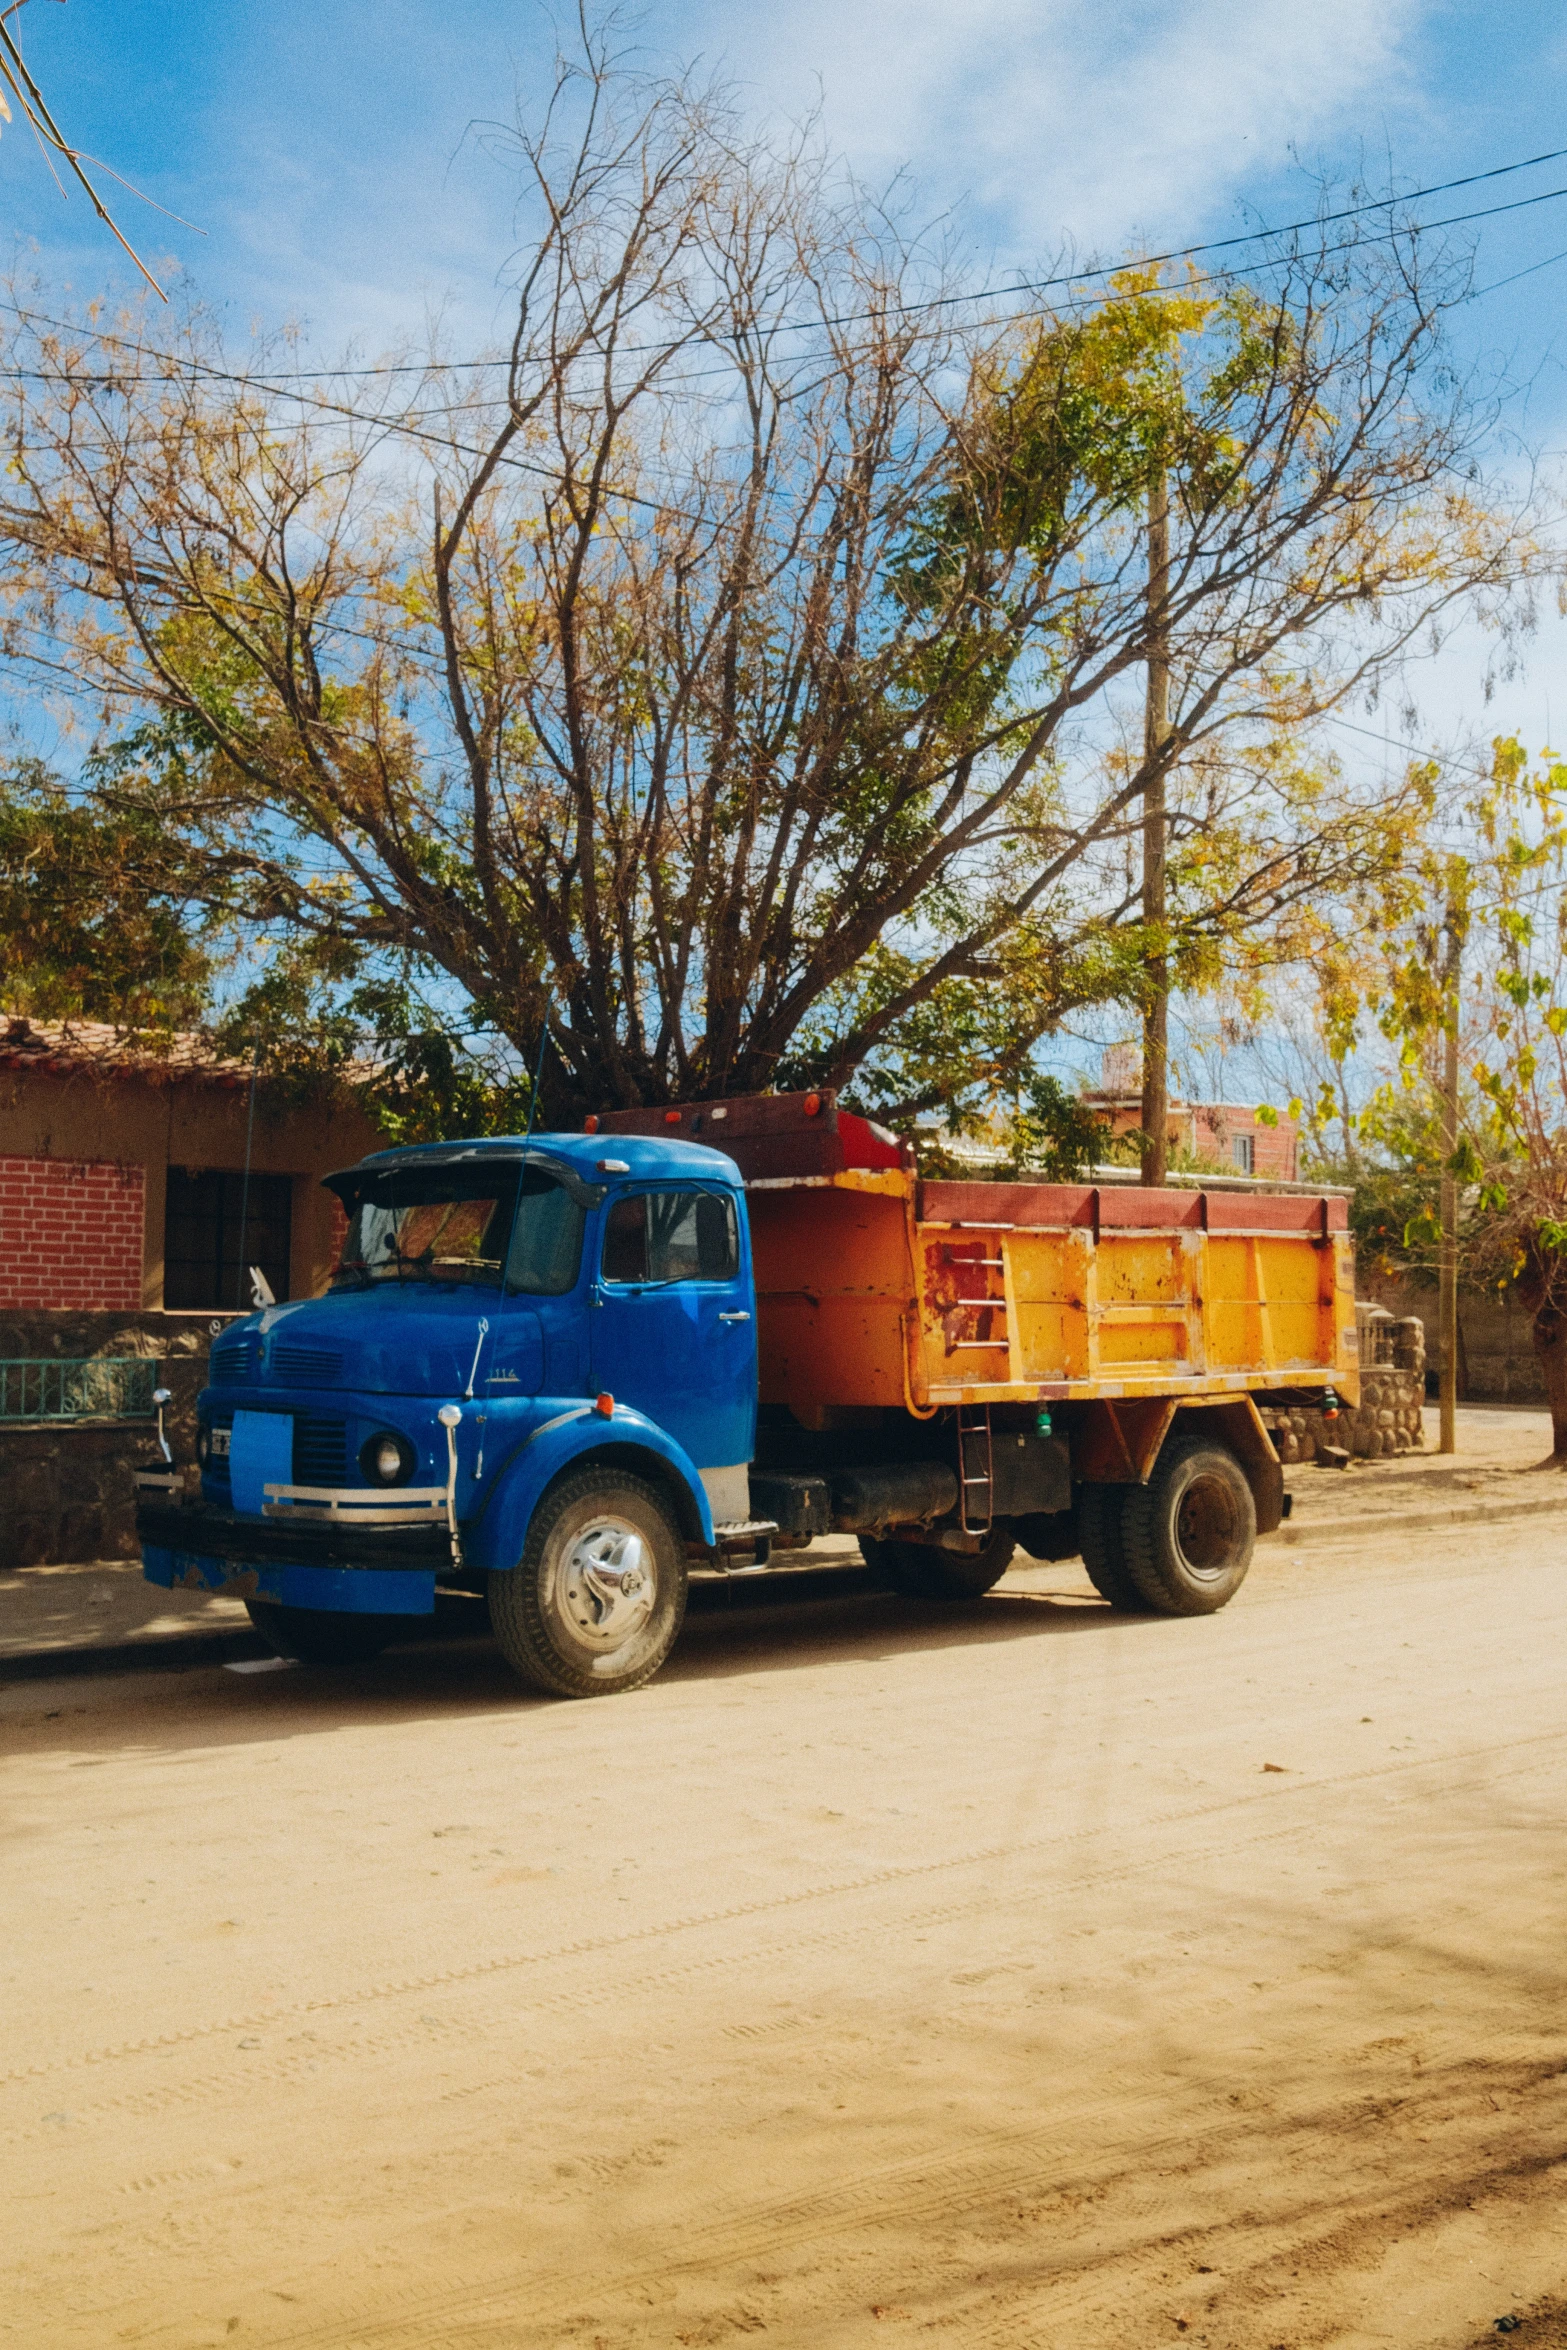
725,669
103,913
1489,873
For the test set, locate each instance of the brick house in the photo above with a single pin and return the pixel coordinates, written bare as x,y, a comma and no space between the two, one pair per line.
122,1177
1230,1135
122,1182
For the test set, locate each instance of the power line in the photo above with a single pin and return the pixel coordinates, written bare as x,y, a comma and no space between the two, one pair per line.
1497,284
1262,235
278,379
1048,284
405,428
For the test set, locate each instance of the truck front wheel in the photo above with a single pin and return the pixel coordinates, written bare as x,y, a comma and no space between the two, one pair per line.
598,1598
924,1572
1187,1535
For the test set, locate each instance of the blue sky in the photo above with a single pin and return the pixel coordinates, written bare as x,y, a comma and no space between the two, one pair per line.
334,154
333,150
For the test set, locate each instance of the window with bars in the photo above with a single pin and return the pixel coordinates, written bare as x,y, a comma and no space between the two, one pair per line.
206,1260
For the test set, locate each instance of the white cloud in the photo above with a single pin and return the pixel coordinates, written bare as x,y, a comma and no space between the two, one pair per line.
1102,119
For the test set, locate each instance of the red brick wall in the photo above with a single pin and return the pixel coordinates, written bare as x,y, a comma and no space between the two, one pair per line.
1210,1130
71,1234
1273,1147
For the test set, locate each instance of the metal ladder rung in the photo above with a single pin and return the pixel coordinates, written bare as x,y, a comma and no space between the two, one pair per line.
974,1424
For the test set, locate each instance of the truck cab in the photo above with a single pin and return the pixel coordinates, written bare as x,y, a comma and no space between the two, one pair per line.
533,1375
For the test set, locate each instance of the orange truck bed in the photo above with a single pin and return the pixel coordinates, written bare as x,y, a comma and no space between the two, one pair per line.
878,1289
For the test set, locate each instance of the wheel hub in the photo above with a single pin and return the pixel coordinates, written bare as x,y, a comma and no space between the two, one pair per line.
607,1584
1207,1526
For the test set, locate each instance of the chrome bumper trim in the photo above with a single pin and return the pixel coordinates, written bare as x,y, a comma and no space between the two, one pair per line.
354,1505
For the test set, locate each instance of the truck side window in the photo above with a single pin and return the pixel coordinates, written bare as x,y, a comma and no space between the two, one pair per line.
546,1240
625,1240
691,1236
663,1236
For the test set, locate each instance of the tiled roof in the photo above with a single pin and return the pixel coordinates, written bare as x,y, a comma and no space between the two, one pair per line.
64,1048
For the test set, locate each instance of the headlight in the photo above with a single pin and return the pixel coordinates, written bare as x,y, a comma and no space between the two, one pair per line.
386,1459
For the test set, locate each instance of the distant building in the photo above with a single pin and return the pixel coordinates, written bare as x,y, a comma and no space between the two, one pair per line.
122,1176
1228,1134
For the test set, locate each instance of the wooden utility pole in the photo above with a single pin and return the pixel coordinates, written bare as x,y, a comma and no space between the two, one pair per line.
1447,1266
1156,725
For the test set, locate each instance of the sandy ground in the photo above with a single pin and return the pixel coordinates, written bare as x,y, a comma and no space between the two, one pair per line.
1030,1976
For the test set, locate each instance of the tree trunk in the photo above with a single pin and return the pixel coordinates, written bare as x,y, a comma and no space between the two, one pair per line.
1549,1332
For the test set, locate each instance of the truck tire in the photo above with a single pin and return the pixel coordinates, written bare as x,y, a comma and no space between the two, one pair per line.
319,1635
582,1614
1187,1535
922,1572
1099,1522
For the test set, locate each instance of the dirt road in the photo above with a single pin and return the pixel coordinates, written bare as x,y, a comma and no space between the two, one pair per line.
1026,1977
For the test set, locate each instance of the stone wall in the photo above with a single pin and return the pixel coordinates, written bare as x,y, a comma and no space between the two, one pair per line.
1496,1358
1392,1391
65,1487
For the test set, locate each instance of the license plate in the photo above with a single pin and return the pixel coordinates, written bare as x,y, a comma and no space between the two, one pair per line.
219,1446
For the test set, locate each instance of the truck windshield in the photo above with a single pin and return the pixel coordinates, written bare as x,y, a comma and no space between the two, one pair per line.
445,1223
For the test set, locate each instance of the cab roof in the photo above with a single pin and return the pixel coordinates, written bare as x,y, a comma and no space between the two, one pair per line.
592,1158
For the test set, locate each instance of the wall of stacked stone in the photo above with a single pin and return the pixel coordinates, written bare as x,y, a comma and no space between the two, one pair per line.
1496,1358
65,1487
1392,1390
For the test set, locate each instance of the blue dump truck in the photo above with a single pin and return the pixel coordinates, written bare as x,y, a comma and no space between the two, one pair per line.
567,1372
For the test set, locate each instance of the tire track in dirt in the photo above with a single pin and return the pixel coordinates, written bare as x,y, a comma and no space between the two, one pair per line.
994,2172
870,1881
193,2090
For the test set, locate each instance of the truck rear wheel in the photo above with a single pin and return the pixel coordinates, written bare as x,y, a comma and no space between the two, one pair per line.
924,1572
319,1635
1187,1535
1099,1518
598,1598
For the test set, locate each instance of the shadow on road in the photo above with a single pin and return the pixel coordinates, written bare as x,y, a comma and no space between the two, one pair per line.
804,1622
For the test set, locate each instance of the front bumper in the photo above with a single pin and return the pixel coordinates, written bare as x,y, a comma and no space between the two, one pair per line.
356,1570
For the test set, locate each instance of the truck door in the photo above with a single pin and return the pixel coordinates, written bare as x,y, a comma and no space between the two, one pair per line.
673,1326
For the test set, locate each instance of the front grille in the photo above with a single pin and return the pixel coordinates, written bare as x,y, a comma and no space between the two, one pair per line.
320,1450
234,1361
306,1366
